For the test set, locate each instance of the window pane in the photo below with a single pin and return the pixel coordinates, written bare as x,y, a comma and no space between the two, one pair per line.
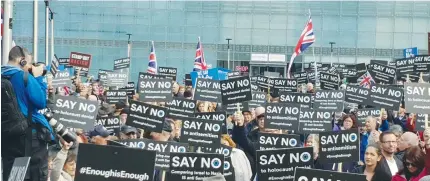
403,40
331,23
420,25
260,37
243,36
403,25
228,20
348,23
419,40
278,37
261,21
384,25
244,20
366,24
278,21
384,40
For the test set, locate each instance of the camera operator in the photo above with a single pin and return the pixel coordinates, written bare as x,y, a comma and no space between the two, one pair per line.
30,92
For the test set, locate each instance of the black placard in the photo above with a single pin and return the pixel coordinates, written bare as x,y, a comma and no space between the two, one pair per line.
201,132
207,90
113,163
420,124
218,116
169,72
144,75
121,63
232,108
382,74
116,79
263,82
180,108
146,116
225,150
342,146
349,72
301,77
64,61
233,74
361,68
229,174
54,66
314,120
357,94
282,116
405,66
422,63
258,99
102,75
270,141
162,148
129,88
304,174
74,112
82,71
62,79
116,96
236,90
194,166
110,123
280,164
329,100
155,90
417,97
329,81
388,97
304,99
187,80
282,84
362,115
19,169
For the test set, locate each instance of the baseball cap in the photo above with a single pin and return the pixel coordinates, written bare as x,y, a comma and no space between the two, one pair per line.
128,129
99,130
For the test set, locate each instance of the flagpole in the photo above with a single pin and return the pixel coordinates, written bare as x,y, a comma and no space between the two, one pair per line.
7,32
315,64
52,35
46,32
35,30
128,55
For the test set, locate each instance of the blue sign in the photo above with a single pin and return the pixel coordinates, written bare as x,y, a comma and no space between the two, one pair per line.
410,52
214,74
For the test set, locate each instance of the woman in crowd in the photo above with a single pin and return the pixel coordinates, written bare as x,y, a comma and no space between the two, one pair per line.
347,122
416,165
371,158
313,141
240,162
202,106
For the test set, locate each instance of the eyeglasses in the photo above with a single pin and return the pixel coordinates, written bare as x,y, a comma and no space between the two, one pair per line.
389,142
408,164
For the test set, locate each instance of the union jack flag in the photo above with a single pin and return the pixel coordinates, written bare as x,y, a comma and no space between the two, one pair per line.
152,65
366,80
306,39
199,61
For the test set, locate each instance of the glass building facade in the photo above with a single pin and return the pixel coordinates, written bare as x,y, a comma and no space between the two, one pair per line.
361,30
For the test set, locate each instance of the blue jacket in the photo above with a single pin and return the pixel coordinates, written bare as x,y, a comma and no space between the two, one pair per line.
385,126
34,94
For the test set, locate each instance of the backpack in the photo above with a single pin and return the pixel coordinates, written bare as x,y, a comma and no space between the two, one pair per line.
13,122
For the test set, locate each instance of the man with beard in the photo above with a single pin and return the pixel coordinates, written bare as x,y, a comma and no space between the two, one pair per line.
389,164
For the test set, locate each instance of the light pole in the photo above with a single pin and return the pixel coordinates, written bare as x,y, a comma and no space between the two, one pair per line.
46,32
128,55
52,34
6,30
228,52
331,52
35,29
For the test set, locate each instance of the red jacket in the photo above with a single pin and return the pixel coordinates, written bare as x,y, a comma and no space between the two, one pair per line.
423,173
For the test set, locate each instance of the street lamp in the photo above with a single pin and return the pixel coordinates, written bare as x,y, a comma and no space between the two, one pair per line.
331,52
228,52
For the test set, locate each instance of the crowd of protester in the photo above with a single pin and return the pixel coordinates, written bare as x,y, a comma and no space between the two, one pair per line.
390,148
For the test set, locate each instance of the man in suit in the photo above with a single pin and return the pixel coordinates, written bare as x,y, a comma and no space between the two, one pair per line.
389,164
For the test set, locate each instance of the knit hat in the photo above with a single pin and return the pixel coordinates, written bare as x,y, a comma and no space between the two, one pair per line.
426,178
215,178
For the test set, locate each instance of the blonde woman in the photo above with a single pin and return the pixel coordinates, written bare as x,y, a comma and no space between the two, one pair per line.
202,106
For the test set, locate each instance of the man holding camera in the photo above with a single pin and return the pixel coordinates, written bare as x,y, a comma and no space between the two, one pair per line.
30,92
